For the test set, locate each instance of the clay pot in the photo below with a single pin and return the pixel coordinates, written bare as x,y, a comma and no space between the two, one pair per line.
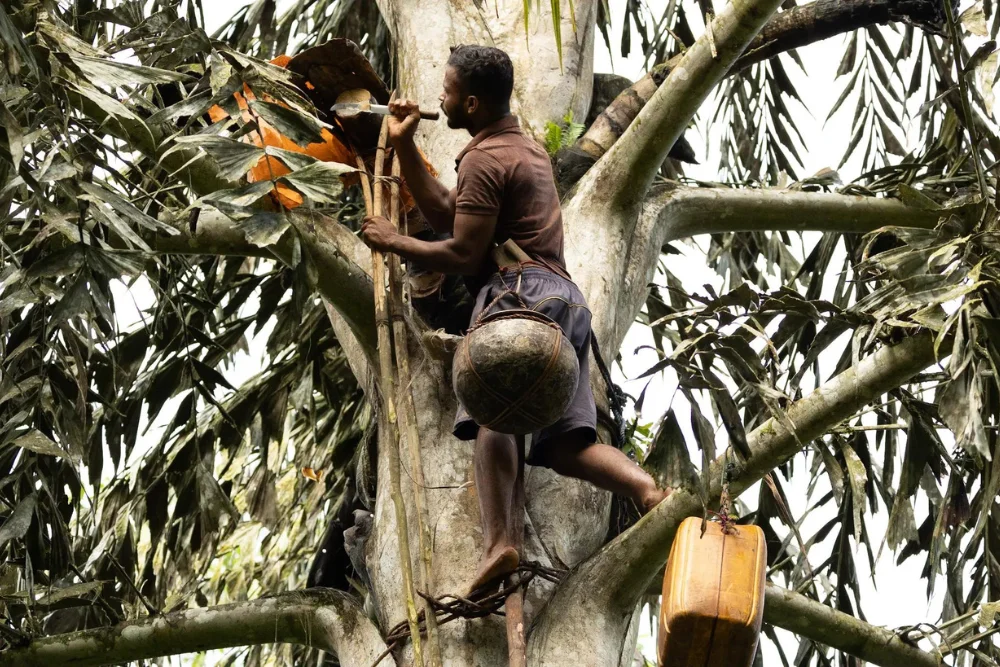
516,372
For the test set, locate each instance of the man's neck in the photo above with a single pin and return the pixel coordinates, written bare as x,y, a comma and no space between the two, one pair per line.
478,127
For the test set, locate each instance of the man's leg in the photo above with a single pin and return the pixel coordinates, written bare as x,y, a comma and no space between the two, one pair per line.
499,473
603,466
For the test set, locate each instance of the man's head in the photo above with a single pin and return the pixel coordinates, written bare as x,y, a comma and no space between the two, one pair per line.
477,86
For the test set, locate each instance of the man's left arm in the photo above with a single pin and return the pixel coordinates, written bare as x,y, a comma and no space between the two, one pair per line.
464,253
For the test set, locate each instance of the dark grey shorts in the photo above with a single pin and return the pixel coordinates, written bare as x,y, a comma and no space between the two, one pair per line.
561,301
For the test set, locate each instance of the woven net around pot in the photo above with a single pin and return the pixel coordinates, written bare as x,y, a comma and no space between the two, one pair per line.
515,372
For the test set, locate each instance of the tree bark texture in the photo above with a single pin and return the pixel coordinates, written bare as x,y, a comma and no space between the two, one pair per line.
324,619
545,89
822,19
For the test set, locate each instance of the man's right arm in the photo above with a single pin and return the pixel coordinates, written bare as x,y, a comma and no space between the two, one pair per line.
435,201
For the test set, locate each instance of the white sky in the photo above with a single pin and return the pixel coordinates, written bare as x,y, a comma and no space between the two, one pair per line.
900,599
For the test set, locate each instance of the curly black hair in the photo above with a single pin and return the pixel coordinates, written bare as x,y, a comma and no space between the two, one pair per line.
485,72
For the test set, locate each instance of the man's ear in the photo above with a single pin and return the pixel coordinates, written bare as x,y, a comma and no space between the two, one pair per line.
471,104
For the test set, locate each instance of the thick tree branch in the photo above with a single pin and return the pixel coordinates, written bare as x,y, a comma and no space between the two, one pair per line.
841,631
324,619
822,19
214,234
629,248
604,589
684,212
793,28
623,175
340,267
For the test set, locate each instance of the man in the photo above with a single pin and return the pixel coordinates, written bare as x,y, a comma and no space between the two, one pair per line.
505,191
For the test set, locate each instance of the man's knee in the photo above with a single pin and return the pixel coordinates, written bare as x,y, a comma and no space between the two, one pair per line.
561,452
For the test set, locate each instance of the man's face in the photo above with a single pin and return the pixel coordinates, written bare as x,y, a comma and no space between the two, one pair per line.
454,102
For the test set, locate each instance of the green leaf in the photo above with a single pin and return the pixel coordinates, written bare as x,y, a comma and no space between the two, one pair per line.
292,159
961,406
209,375
53,32
913,197
553,137
113,73
264,228
38,442
108,104
319,181
115,222
857,475
21,387
75,301
74,595
17,524
730,414
16,300
60,263
126,208
557,29
190,106
15,135
234,158
833,470
263,497
573,132
902,525
220,72
14,45
115,264
55,171
235,202
847,62
668,459
301,128
212,500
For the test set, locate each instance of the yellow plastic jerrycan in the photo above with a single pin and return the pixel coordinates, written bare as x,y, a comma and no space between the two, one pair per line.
713,596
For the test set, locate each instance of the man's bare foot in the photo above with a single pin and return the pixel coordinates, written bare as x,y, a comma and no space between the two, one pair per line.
494,567
653,499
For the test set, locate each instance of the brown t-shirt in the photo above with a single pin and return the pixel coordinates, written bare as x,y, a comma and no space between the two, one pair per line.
504,173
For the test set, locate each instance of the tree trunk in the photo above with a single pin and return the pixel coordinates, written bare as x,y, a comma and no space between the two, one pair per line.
544,89
566,520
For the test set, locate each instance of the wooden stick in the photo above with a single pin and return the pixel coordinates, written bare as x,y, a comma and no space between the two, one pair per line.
388,391
405,400
514,605
366,187
514,613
